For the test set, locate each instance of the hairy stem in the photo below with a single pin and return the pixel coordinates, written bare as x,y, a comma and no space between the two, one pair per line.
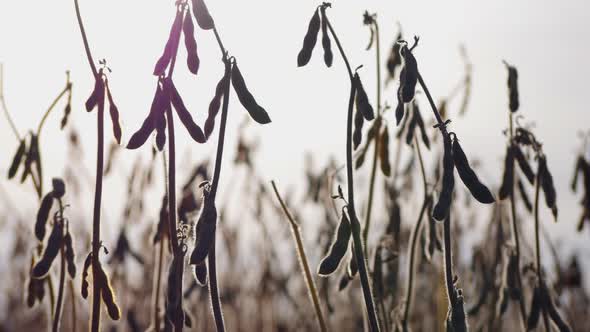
356,227
313,294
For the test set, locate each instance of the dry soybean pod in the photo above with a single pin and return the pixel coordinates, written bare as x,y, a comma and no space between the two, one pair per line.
507,181
174,312
204,19
87,263
107,294
338,249
512,87
468,176
192,60
69,254
524,164
310,40
185,117
42,216
410,75
216,101
54,242
326,44
357,134
384,152
200,271
441,209
114,112
171,44
16,160
547,185
257,113
362,101
206,227
160,124
149,124
97,94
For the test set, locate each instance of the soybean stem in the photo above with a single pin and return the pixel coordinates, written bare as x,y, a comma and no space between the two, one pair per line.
356,227
303,261
448,259
62,275
85,40
538,244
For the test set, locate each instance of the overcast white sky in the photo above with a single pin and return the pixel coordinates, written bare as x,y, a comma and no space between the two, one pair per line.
546,40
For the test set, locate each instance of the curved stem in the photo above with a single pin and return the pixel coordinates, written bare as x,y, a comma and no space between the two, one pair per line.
448,259
313,294
85,40
96,300
6,113
521,304
340,49
61,94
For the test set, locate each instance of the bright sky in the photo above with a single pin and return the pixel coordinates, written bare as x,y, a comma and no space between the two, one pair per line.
546,40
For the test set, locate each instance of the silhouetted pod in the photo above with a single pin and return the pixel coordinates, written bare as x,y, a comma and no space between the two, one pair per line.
508,179
535,312
160,124
399,110
205,231
524,164
330,263
42,216
362,101
525,197
310,39
16,160
441,209
468,176
192,60
326,44
32,156
513,88
87,263
384,152
171,44
357,133
215,103
70,255
353,267
51,250
59,187
547,185
149,124
257,113
97,95
114,112
408,76
204,19
185,117
200,271
457,319
107,294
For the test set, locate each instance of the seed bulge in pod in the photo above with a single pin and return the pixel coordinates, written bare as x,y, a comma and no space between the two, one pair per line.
70,255
384,152
310,39
468,176
326,44
358,129
87,264
409,77
257,113
192,60
53,245
114,113
441,209
185,117
362,101
42,216
171,44
204,19
205,232
547,185
330,263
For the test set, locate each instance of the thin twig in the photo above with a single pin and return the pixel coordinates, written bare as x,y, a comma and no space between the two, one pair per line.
303,261
6,113
62,275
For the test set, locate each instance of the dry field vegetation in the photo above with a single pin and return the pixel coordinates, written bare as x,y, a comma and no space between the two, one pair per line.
386,255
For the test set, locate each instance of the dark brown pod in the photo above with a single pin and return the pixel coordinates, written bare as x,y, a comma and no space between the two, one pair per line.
535,311
384,152
114,112
54,243
70,255
97,95
353,267
192,60
87,263
16,160
362,101
257,113
42,216
185,117
59,187
441,209
468,176
547,185
205,231
408,76
174,312
513,88
420,124
310,39
215,103
171,44
338,249
204,19
149,124
399,110
200,271
523,164
108,295
160,124
326,44
508,179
